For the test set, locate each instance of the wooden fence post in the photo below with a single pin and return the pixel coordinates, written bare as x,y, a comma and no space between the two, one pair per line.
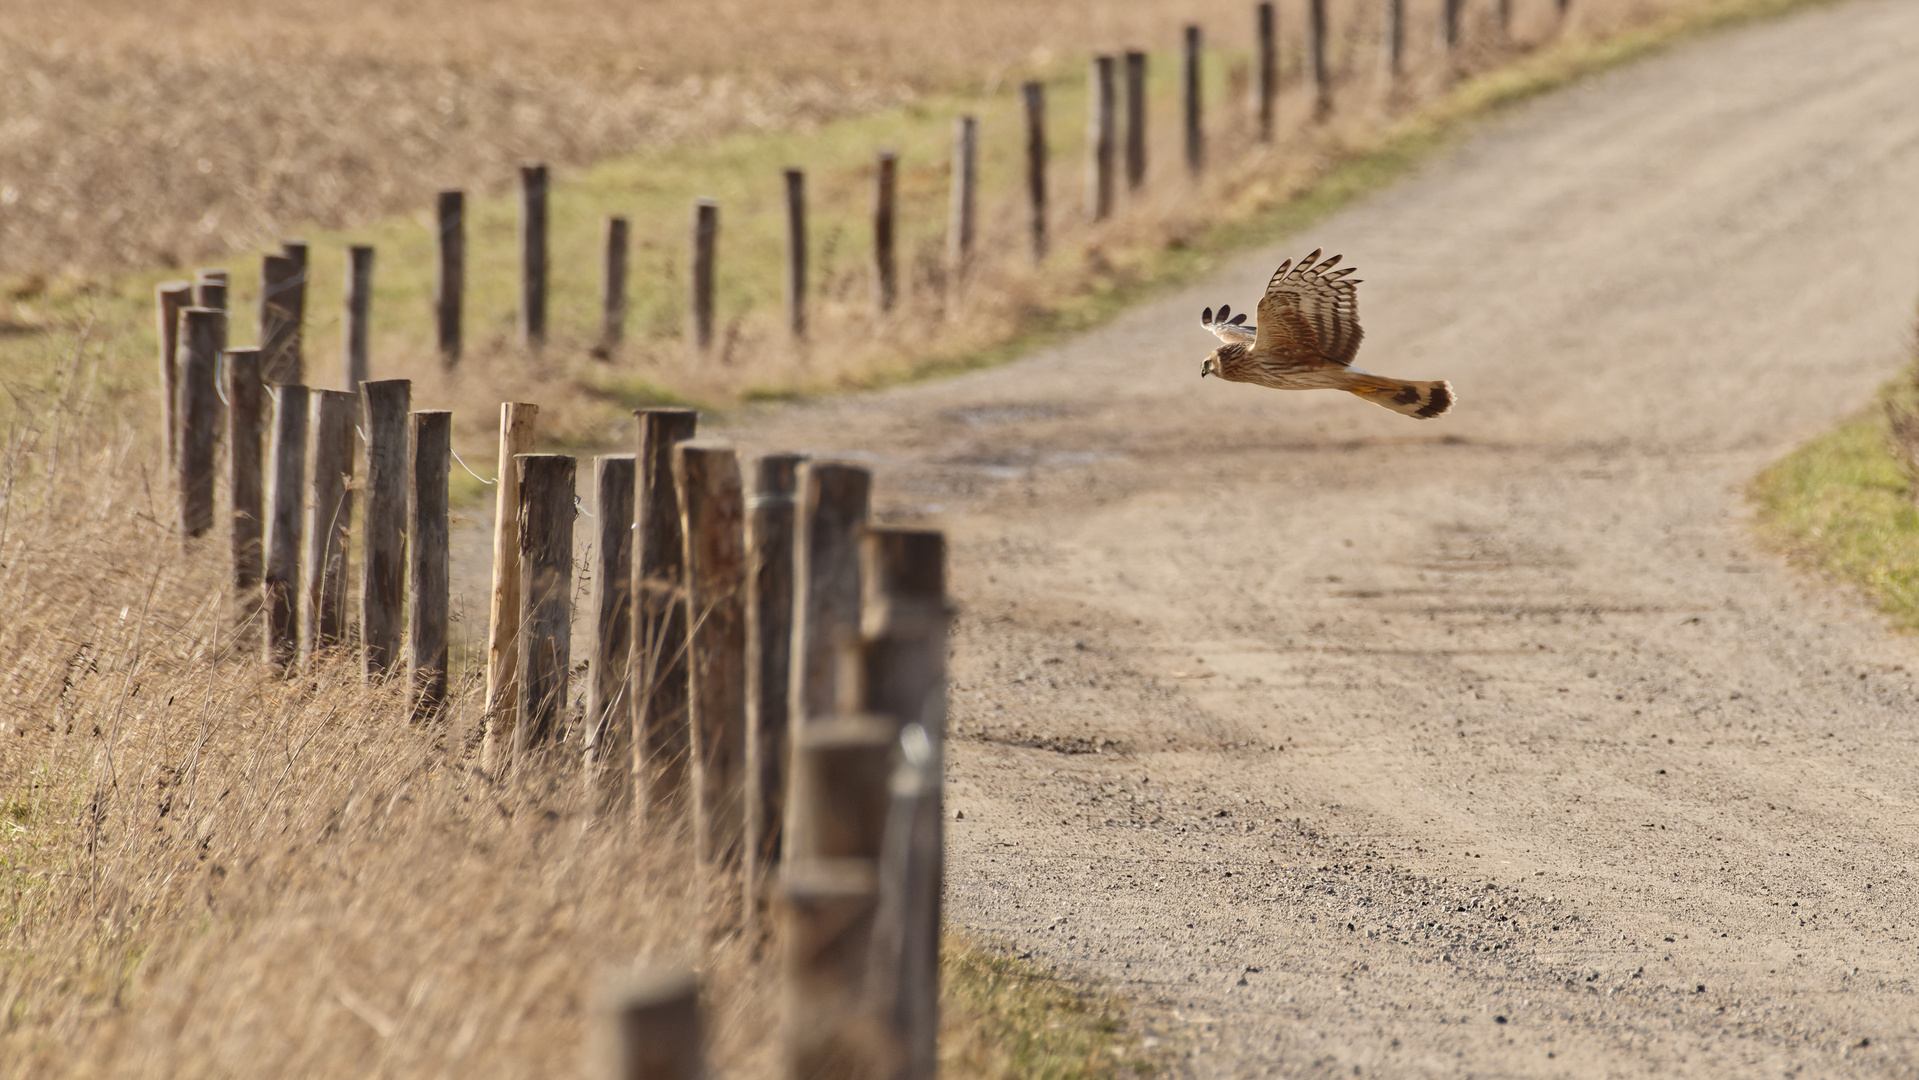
826,599
885,264
243,475
428,588
959,230
1195,123
609,734
168,298
1322,67
1505,20
199,416
1099,140
841,768
769,670
1564,6
796,252
503,623
546,599
449,276
294,300
210,289
713,521
827,915
285,524
906,623
613,290
1266,69
1449,25
1396,39
1034,95
278,331
359,302
329,517
659,669
533,183
383,416
656,1029
1135,120
706,238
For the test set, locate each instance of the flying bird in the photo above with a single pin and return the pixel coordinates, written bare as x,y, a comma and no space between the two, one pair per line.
1307,335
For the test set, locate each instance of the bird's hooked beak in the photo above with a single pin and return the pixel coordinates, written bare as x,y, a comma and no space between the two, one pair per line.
1206,367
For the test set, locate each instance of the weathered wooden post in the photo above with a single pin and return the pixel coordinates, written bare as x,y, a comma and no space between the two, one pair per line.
826,601
796,252
1099,140
1564,6
656,1028
1322,66
659,669
1505,20
546,599
280,593
959,230
613,290
503,623
383,417
199,416
713,521
1034,96
1195,124
169,297
359,306
1135,120
294,299
1449,25
885,264
706,239
841,768
428,588
243,475
449,273
278,325
906,623
769,669
1266,69
1396,39
828,907
329,518
609,731
210,289
533,185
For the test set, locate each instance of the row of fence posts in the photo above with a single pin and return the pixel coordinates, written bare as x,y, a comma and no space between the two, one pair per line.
283,275
765,666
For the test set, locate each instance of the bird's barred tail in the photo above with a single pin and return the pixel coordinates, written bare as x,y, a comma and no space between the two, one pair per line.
1423,400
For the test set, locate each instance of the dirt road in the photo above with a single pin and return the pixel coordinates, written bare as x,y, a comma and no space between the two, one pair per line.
1353,745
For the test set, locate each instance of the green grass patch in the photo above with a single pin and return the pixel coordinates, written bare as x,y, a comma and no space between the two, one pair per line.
1004,1018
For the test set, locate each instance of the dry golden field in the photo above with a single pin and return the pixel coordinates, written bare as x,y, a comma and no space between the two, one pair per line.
208,871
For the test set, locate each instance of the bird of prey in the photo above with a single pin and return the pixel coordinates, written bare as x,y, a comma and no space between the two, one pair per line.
1306,337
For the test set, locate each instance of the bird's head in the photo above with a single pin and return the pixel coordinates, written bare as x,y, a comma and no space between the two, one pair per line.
1210,365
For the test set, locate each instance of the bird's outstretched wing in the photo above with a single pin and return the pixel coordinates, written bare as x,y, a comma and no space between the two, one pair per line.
1310,314
1226,326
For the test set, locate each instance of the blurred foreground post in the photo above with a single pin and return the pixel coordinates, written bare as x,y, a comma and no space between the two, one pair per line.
885,266
1034,95
449,273
210,289
243,475
359,306
1505,20
713,519
613,288
796,252
430,449
1135,120
1322,66
1266,69
1099,140
658,672
546,599
841,767
168,298
329,518
827,915
1195,123
657,1030
769,652
1396,38
199,416
826,599
609,732
287,480
959,229
1449,25
383,420
533,184
706,239
503,619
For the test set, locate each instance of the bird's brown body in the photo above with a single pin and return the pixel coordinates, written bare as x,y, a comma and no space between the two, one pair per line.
1306,338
